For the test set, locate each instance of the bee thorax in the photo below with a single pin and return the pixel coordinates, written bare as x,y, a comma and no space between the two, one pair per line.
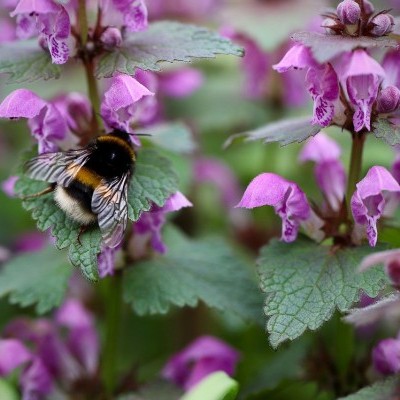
73,207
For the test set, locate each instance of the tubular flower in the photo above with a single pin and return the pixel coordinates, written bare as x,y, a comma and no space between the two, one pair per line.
362,79
368,201
51,122
200,359
386,356
119,106
48,18
329,171
288,200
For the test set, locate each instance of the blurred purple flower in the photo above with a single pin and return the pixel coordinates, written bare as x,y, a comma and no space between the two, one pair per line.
329,171
161,9
8,186
181,82
150,224
288,200
31,241
386,356
390,260
255,63
214,171
49,19
131,14
368,201
348,12
55,358
119,106
82,340
7,33
362,78
199,359
106,261
45,121
13,354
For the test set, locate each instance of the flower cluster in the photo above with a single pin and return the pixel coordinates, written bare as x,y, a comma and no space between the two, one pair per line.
48,358
56,25
369,202
351,89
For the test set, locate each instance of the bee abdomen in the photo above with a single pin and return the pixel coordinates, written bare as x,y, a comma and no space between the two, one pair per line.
74,203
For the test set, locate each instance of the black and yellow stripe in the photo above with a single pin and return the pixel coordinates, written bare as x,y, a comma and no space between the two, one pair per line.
119,142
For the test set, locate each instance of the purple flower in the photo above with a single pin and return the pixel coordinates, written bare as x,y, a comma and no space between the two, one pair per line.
386,356
12,355
49,19
45,121
129,13
382,24
119,107
362,78
200,359
36,381
288,200
8,186
329,171
323,86
322,82
368,201
391,261
7,33
150,224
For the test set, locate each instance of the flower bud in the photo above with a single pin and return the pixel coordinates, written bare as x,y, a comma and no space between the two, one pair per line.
382,24
348,12
386,356
388,99
111,38
327,24
368,7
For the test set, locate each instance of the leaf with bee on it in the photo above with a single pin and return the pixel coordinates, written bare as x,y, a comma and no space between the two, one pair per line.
153,181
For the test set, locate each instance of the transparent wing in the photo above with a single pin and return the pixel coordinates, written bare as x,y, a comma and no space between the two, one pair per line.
59,167
109,202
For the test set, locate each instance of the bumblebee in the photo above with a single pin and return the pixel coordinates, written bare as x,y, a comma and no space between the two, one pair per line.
91,184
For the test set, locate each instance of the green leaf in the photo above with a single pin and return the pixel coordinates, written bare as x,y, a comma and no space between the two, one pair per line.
83,253
383,390
388,132
154,181
164,42
217,386
7,391
325,47
173,136
206,270
285,132
36,278
26,61
305,282
46,213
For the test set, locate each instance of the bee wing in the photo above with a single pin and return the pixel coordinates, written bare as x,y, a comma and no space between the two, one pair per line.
59,167
109,202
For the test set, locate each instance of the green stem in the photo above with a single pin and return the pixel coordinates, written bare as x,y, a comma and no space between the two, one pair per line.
113,301
83,22
355,166
93,96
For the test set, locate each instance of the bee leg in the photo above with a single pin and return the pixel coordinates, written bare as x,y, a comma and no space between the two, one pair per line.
49,189
82,230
